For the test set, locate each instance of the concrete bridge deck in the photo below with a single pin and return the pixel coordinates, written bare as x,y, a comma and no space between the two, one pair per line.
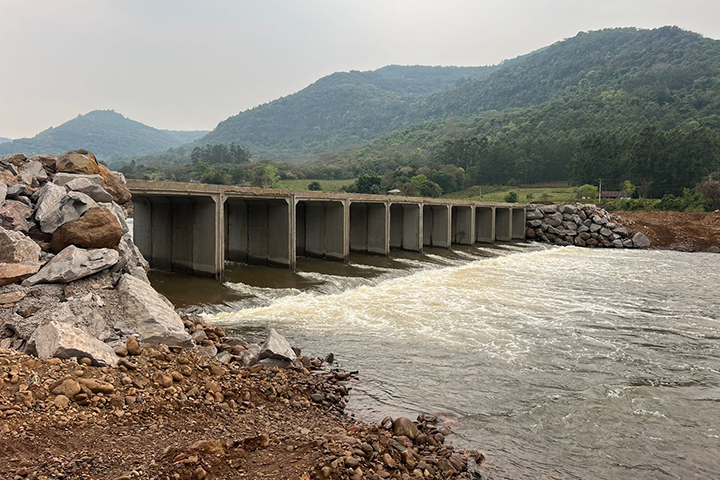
195,228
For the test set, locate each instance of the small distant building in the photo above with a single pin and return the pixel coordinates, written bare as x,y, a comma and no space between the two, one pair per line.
615,194
394,191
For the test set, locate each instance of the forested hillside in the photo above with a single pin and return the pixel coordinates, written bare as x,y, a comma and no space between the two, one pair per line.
106,133
620,104
339,110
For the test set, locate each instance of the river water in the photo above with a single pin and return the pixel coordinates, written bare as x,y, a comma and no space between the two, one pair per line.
557,362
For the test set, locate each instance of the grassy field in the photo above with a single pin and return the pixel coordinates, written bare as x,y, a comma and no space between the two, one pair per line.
557,193
327,185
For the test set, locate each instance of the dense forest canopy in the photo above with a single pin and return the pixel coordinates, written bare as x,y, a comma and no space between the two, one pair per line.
624,105
106,133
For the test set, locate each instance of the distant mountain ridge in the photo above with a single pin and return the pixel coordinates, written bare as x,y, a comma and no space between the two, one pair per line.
106,133
339,110
5,140
350,109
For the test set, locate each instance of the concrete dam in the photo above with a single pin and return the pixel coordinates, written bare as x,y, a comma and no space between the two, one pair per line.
195,228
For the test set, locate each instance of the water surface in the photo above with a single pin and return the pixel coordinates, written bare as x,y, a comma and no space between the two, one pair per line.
558,362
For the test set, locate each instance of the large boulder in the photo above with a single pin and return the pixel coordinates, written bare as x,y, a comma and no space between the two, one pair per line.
640,240
98,228
14,215
277,348
61,340
149,315
78,161
115,184
73,264
89,188
16,272
71,207
17,248
63,179
3,192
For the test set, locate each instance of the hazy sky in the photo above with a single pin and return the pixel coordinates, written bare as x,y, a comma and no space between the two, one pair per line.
188,64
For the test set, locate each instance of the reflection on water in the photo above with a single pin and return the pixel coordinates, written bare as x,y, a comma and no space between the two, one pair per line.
564,362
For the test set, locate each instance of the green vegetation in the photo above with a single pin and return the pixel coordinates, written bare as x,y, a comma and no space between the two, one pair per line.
325,185
639,109
106,133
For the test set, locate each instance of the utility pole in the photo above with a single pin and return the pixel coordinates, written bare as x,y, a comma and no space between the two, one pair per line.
600,189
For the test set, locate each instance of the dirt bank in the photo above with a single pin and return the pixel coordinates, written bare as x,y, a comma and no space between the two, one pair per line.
167,414
684,232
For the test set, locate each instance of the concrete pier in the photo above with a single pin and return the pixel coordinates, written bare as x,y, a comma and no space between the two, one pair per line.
437,227
181,234
320,229
463,224
503,224
195,228
406,226
258,231
484,224
370,227
518,223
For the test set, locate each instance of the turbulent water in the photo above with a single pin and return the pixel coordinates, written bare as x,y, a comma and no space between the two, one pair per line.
558,362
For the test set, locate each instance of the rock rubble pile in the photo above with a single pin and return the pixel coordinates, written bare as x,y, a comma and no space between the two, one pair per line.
582,225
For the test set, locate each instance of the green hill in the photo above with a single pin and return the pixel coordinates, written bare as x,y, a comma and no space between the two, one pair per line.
106,133
337,111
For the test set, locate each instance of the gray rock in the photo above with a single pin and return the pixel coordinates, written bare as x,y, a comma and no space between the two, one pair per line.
17,248
569,209
33,173
224,357
628,243
62,178
277,347
18,190
131,260
579,242
62,340
74,263
622,231
553,230
569,226
71,207
582,215
640,240
150,315
251,355
605,232
583,228
535,223
600,220
611,225
595,228
554,219
549,208
617,243
209,351
118,212
89,188
15,215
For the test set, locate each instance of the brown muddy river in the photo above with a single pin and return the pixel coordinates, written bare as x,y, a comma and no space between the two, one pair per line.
558,362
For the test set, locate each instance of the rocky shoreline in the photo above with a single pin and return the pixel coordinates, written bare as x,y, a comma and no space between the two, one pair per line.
582,225
101,378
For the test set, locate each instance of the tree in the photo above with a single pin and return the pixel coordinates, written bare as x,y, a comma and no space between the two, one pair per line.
264,175
710,190
315,186
511,197
628,188
368,184
587,191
